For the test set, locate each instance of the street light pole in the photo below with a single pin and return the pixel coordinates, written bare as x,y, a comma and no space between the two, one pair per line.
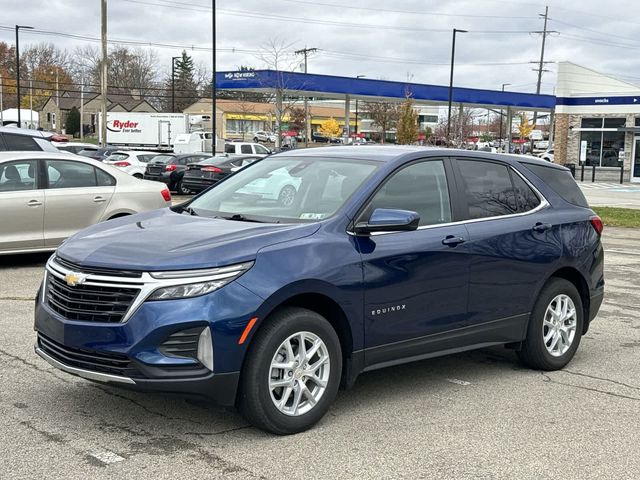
357,76
213,78
18,27
173,83
501,115
453,55
103,73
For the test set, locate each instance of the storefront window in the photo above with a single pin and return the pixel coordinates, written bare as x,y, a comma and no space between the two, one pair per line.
603,148
239,127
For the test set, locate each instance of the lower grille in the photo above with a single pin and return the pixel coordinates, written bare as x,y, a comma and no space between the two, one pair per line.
109,363
182,344
89,303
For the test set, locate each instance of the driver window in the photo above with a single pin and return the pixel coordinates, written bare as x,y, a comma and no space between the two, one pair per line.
422,188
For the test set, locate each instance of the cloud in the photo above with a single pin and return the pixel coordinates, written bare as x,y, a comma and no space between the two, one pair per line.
414,44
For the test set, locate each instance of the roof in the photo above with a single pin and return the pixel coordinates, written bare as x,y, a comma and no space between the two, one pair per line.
370,89
27,131
385,153
125,101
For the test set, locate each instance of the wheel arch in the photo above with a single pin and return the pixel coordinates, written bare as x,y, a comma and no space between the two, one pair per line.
574,276
325,305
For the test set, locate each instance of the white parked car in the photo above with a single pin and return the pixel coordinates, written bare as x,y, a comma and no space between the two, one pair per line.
283,190
133,162
246,148
548,155
46,197
262,136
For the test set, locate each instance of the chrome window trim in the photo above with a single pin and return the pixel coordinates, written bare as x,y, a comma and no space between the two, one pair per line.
147,283
544,204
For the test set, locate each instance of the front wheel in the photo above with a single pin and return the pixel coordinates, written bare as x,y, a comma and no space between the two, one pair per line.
555,327
292,372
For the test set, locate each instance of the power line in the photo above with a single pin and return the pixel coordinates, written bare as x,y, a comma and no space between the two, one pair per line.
260,15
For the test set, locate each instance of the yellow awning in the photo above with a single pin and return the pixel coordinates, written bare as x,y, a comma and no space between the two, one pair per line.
245,116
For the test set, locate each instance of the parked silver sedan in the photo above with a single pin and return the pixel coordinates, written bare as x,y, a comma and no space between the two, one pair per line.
47,197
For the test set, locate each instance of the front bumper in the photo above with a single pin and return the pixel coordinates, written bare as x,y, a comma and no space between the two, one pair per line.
132,354
221,388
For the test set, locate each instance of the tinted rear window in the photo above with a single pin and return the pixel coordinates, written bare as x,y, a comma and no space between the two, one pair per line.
20,142
561,181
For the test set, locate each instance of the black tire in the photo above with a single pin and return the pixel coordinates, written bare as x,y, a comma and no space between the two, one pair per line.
180,190
138,176
287,195
534,353
255,401
255,140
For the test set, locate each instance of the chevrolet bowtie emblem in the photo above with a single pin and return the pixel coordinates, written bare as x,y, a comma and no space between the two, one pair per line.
73,279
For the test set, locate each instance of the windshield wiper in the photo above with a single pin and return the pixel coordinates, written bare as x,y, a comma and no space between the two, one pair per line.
241,218
190,211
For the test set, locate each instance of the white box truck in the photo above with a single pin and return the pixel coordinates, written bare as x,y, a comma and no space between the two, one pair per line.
147,130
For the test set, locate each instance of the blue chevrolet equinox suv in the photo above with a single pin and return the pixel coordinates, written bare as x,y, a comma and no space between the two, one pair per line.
297,273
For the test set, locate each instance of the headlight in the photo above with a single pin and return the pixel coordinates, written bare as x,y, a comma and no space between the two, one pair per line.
193,283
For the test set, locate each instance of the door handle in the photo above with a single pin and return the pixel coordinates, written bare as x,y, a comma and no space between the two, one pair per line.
34,203
452,241
542,227
99,199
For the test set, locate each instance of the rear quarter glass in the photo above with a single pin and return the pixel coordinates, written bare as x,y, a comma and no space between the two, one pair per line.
561,181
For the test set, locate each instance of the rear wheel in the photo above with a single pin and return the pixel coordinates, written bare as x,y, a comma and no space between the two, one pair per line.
138,176
181,190
292,372
555,327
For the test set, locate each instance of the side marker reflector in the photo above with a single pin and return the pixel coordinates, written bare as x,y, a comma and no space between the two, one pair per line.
247,329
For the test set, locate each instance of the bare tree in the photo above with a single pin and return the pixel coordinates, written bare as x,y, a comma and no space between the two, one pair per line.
385,115
277,55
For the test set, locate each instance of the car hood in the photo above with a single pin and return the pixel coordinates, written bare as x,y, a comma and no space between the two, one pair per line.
165,240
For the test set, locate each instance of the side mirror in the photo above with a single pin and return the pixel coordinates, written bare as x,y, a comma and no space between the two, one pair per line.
389,220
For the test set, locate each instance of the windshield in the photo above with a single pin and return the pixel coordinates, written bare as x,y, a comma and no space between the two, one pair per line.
282,189
114,157
162,158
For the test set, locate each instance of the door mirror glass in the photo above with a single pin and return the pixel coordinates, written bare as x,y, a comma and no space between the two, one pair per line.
389,220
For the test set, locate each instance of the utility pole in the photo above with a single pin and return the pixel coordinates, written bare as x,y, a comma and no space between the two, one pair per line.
541,63
82,109
1,101
30,103
18,27
103,75
307,124
213,78
453,56
173,83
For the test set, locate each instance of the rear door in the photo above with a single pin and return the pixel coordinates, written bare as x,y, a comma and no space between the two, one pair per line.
21,206
77,195
513,241
415,282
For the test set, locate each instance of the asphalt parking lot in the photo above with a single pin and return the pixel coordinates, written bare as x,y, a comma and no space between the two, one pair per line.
474,415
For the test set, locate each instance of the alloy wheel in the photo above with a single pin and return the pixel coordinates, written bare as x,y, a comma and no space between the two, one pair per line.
299,373
559,325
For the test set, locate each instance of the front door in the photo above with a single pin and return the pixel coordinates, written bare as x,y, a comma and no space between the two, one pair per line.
76,197
21,206
635,167
415,282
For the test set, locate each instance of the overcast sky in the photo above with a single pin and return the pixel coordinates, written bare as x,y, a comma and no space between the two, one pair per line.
399,40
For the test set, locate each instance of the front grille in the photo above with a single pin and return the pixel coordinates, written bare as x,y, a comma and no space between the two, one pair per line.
96,270
182,344
92,360
89,303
